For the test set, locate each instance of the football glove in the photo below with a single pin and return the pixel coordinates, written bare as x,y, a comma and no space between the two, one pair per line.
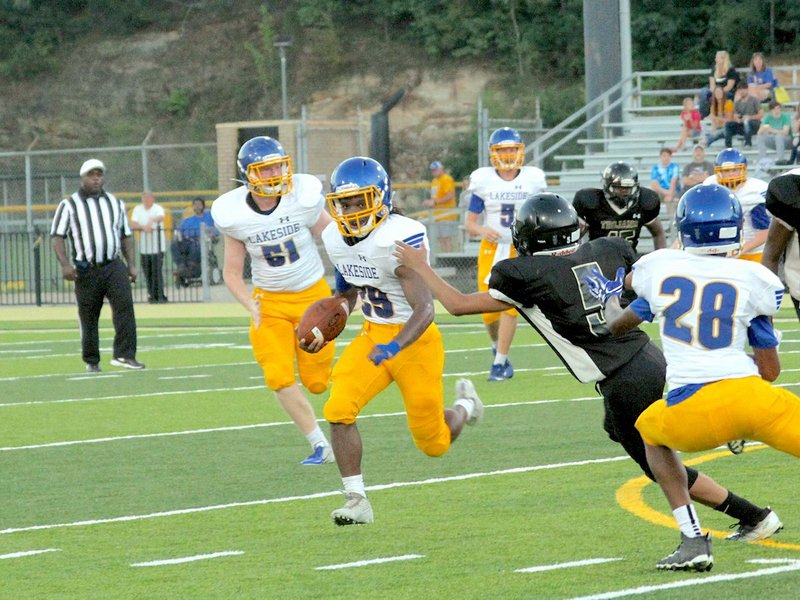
382,352
601,288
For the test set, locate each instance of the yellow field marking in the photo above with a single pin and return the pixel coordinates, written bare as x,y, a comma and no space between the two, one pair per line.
629,497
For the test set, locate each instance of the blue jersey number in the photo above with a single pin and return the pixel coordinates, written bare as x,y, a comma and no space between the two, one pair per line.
375,301
276,255
506,215
715,318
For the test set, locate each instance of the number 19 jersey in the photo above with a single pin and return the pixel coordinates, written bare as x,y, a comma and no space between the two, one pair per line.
704,305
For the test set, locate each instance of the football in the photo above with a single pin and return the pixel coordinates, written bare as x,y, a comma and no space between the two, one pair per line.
324,319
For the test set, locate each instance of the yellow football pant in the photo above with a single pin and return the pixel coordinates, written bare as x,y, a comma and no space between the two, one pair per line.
275,344
731,409
486,254
417,370
752,257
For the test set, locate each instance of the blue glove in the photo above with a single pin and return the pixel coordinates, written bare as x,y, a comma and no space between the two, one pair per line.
382,352
601,288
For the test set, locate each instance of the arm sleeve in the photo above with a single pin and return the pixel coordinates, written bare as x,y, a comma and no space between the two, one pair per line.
641,308
476,204
61,220
760,217
761,334
341,284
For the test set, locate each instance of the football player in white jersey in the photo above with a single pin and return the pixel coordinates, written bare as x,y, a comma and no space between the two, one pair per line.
497,192
273,218
707,311
399,341
730,170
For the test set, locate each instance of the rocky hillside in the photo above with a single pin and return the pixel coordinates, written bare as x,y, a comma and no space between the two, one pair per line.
181,82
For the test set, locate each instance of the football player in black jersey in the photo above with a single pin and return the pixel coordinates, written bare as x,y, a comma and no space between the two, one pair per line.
546,285
621,208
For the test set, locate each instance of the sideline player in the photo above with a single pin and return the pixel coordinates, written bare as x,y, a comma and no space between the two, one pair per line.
621,208
730,171
398,342
707,311
272,218
545,284
497,192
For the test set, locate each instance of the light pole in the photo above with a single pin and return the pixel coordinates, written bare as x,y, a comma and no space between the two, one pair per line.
281,44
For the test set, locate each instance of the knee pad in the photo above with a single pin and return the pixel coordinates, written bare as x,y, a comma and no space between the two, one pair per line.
335,413
316,387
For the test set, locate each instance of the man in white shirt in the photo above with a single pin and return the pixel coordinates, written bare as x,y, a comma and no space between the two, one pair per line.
148,219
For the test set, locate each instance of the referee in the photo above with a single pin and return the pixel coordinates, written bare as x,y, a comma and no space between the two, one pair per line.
97,227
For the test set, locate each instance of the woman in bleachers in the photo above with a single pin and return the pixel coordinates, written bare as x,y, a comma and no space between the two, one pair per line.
761,80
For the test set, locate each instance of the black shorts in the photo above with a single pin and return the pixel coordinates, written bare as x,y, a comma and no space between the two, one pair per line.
627,392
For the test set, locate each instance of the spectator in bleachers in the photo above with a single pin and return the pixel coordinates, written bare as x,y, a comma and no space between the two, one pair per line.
697,171
664,179
691,124
721,113
761,80
774,133
722,75
747,115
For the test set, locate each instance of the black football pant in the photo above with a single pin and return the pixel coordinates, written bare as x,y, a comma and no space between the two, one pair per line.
152,265
627,392
93,285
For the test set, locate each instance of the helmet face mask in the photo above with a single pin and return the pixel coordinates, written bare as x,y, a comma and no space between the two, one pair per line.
545,223
360,196
506,150
730,167
265,167
709,221
621,185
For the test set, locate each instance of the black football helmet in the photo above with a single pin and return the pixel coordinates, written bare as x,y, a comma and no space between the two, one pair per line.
545,222
621,184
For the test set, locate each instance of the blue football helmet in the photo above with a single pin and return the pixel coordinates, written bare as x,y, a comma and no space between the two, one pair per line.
359,181
730,166
506,150
257,161
709,220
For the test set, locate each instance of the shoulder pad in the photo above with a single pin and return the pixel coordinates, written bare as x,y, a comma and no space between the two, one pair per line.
648,198
397,227
588,197
308,189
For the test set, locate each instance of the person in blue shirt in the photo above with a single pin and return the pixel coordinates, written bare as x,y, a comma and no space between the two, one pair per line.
186,250
760,80
664,180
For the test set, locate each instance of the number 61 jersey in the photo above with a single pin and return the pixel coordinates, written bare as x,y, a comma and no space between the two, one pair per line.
705,305
283,254
370,265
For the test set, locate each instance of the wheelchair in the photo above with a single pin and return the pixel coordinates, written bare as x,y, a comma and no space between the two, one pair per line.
186,255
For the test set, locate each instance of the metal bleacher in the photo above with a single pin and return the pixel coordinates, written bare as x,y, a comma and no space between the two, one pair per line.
637,138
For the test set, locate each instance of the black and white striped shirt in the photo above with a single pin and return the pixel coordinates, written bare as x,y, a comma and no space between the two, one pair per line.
94,225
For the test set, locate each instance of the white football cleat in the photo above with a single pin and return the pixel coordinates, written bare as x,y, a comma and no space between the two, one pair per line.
465,390
356,511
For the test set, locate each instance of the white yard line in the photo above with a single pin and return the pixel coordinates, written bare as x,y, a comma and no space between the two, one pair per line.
370,561
186,559
386,486
792,565
28,553
140,436
201,376
567,565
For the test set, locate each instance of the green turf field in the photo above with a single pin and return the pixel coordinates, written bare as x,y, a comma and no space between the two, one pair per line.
182,481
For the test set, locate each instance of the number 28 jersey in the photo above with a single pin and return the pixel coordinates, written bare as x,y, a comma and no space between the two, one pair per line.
370,266
704,305
283,254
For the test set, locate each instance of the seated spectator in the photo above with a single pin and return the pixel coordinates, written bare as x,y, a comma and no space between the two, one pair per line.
186,251
697,171
747,115
722,75
774,133
691,124
760,79
721,113
664,178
